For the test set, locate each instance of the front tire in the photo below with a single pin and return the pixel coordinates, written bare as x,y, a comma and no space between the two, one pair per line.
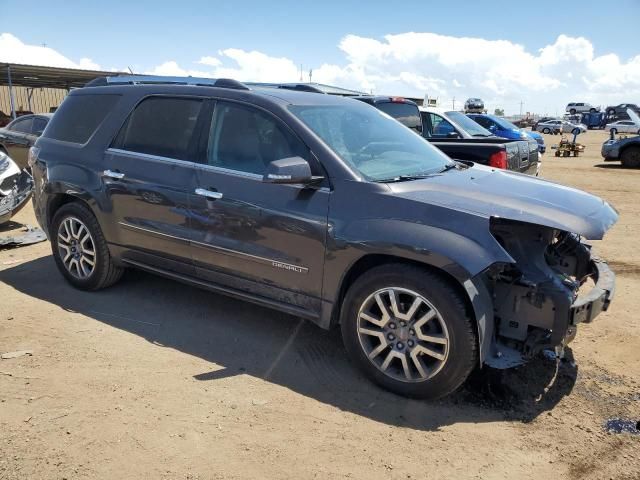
408,330
546,130
572,111
80,249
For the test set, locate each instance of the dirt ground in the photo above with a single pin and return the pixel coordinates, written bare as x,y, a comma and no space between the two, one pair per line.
154,379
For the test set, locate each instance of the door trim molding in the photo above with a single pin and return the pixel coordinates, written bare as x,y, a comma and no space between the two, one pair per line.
225,251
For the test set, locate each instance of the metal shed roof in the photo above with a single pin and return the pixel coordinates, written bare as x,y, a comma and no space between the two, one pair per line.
36,76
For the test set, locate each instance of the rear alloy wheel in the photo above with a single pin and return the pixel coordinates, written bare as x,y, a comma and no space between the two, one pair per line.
546,130
76,248
630,158
80,249
409,332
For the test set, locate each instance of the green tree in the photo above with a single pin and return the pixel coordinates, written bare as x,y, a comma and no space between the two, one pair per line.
499,112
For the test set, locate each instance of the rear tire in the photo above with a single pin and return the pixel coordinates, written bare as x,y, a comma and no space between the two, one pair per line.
424,347
80,249
611,112
614,131
572,111
546,130
630,158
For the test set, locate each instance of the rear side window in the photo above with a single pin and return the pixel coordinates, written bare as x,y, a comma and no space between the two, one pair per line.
439,126
162,126
405,113
22,125
79,117
39,125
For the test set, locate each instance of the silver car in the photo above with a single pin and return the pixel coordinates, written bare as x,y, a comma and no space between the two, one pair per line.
580,107
560,126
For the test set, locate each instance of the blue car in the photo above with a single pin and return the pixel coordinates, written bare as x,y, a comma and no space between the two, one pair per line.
505,129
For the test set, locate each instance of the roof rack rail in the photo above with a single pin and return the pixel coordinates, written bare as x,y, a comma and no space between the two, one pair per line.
300,87
160,80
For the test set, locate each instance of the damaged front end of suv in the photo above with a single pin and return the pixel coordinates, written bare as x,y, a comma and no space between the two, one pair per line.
15,188
554,284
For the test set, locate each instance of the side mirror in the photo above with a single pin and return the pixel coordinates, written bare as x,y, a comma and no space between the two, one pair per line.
453,135
290,170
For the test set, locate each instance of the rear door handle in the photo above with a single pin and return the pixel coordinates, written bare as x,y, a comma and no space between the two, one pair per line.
112,174
208,193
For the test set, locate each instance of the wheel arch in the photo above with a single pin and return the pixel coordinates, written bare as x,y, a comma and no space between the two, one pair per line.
477,299
57,200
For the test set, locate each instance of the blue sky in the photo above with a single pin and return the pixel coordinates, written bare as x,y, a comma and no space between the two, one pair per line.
146,34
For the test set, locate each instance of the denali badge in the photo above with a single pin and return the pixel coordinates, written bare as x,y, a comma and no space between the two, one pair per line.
286,266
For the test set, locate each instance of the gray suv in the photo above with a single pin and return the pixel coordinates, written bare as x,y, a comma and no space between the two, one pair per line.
325,208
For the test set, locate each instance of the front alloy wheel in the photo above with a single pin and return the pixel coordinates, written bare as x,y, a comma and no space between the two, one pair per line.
77,248
403,334
409,330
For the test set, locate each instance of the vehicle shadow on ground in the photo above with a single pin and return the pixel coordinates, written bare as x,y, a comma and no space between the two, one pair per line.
245,339
613,166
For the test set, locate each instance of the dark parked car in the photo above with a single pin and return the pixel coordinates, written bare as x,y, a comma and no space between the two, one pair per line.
403,110
624,150
621,110
20,135
461,138
324,208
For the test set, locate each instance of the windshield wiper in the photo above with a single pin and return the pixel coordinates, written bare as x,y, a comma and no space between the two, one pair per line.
451,166
418,176
405,178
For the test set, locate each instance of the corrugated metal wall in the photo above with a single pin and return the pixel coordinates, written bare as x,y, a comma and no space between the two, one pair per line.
42,99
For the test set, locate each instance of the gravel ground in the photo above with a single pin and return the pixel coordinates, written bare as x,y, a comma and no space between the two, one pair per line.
154,379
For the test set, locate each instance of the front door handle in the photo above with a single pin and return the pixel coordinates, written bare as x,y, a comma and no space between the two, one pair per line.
208,193
112,174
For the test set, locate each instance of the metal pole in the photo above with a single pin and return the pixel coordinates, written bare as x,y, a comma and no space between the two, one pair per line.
29,95
13,108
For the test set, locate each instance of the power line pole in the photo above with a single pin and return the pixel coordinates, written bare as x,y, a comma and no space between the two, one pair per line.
301,79
453,103
310,74
521,104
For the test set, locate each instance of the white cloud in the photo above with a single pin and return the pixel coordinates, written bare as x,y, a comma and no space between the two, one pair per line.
210,61
12,50
501,72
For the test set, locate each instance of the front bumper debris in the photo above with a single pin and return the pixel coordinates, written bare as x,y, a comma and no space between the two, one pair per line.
587,307
17,198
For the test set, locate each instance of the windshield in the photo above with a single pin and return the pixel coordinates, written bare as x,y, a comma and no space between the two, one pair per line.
371,142
468,125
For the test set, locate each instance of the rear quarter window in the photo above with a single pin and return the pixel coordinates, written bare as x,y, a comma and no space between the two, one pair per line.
405,113
79,117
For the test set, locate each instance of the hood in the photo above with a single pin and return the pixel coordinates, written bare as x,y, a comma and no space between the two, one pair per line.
488,192
633,116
